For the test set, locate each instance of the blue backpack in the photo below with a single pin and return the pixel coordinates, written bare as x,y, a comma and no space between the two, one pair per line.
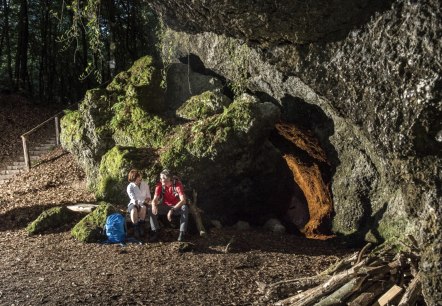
115,228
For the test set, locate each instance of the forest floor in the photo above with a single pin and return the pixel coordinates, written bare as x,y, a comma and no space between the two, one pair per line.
55,269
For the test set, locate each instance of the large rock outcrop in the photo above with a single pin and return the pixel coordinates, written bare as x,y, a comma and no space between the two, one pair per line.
214,143
368,85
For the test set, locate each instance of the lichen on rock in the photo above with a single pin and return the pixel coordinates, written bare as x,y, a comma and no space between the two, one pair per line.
90,228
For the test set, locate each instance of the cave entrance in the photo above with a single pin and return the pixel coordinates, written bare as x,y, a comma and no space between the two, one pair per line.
311,205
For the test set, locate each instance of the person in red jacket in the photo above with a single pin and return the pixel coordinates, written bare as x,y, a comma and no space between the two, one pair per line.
169,199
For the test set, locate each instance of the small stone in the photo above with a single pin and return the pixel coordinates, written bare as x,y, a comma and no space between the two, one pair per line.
242,226
217,224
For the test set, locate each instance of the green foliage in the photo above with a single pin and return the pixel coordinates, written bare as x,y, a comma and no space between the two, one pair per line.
90,228
51,219
85,15
165,47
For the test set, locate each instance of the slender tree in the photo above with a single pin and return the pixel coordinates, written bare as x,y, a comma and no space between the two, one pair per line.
21,59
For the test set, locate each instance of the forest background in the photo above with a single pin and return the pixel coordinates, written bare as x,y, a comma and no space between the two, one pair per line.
53,51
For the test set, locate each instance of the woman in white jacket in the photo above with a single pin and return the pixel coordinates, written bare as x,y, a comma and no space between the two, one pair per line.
139,195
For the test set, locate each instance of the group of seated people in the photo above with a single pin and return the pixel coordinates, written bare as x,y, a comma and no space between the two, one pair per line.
169,199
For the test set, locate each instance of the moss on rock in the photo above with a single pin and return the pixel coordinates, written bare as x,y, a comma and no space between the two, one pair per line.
114,167
51,219
139,74
238,126
195,147
204,105
71,127
133,126
142,82
90,228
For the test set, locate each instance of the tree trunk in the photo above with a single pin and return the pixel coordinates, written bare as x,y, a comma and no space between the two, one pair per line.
8,42
21,58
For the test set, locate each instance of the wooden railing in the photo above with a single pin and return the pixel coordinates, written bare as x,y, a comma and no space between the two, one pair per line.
25,136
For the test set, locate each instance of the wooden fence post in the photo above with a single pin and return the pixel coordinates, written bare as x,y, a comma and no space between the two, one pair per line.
57,130
26,153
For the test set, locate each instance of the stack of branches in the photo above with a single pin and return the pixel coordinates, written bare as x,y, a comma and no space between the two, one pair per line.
381,277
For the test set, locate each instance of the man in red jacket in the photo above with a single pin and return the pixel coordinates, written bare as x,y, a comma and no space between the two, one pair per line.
169,199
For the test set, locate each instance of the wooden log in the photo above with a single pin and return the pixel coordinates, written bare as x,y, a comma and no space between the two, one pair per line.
388,296
312,295
369,295
195,211
340,264
340,295
291,286
412,292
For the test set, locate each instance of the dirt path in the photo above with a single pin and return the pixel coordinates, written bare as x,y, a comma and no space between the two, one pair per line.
54,269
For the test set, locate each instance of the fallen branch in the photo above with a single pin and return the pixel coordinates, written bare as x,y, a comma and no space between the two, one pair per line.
309,296
291,286
362,252
196,214
228,247
340,264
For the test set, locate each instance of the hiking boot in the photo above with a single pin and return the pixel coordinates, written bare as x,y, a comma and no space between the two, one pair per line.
181,236
154,236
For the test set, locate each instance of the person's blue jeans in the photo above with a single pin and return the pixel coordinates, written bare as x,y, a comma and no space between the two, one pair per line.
183,211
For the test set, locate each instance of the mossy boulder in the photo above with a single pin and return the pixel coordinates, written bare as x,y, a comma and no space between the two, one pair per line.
114,167
242,125
142,82
90,228
204,105
51,219
213,154
121,114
